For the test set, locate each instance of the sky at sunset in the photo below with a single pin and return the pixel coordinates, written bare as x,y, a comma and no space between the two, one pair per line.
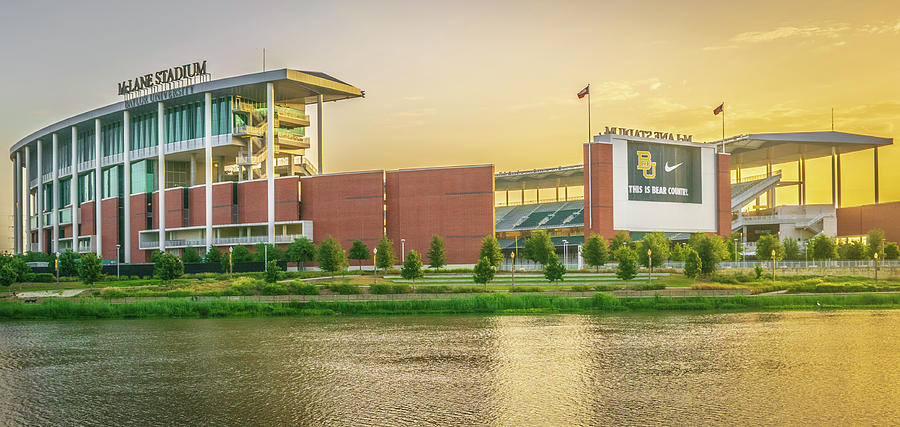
473,82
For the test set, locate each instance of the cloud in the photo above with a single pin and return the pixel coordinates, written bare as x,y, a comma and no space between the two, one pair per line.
884,28
788,32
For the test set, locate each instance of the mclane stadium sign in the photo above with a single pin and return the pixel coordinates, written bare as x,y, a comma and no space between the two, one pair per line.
612,130
163,77
664,173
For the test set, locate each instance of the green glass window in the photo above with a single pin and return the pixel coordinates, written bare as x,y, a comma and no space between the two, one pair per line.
65,192
143,176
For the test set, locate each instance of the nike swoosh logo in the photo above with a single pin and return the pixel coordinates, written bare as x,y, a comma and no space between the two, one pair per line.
671,168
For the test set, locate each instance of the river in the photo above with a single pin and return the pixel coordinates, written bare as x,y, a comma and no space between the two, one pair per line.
828,368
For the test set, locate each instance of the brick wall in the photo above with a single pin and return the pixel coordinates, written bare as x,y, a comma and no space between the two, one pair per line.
346,206
138,223
175,208
197,206
252,202
109,214
455,203
723,205
87,219
287,198
859,220
222,201
598,201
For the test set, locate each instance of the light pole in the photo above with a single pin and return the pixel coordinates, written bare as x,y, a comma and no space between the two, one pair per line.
375,263
735,250
231,262
118,247
512,255
56,264
649,265
565,252
266,258
876,267
402,250
773,265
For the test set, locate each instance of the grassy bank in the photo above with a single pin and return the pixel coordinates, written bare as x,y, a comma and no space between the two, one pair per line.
478,304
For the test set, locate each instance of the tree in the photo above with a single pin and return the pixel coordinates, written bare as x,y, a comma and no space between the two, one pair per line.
484,271
677,253
437,253
854,251
301,250
412,267
213,255
658,244
621,238
358,251
875,241
711,250
241,253
735,246
539,247
190,255
490,248
12,269
68,266
263,252
331,256
692,263
891,251
273,271
594,251
823,248
766,244
628,260
554,270
89,271
166,266
7,275
385,257
792,250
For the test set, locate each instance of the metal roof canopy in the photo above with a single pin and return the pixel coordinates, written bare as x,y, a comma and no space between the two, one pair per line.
291,87
753,150
563,176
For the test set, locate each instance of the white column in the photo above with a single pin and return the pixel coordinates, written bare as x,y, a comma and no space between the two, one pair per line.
98,190
319,101
40,197
207,163
193,169
161,171
17,201
73,190
27,199
270,158
54,242
126,198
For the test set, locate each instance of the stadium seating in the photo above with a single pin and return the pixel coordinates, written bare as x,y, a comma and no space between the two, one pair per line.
541,215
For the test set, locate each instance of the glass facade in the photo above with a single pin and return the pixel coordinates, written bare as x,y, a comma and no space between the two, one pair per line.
143,131
113,182
65,191
112,139
143,176
85,148
86,187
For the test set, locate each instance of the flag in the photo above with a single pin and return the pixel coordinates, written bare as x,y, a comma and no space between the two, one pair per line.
719,109
584,91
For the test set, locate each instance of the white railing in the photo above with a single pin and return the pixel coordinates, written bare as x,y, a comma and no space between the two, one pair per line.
835,263
188,145
113,159
249,131
143,153
47,177
65,170
291,114
86,166
33,182
292,137
86,244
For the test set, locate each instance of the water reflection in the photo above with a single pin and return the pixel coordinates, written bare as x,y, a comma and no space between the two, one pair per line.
760,368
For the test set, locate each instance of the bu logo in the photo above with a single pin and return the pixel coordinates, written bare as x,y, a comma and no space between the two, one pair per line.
644,164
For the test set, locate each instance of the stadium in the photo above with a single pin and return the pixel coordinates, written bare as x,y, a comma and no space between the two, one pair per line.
187,161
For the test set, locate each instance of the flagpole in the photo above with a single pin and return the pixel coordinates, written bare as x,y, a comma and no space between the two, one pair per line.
589,112
723,126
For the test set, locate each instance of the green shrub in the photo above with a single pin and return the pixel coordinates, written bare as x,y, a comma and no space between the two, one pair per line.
273,272
400,288
300,288
40,277
581,288
440,289
758,270
526,289
380,289
113,293
344,289
647,286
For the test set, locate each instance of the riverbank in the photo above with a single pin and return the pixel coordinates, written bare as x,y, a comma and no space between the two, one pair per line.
85,308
